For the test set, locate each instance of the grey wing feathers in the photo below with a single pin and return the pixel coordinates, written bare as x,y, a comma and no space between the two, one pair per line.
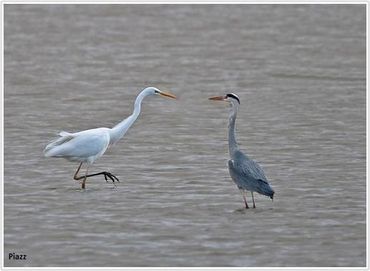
254,170
248,166
247,174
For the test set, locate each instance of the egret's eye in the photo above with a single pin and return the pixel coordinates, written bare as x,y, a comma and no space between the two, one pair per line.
156,91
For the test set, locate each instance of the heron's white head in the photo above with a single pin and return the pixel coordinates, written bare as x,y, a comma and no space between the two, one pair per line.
155,91
232,98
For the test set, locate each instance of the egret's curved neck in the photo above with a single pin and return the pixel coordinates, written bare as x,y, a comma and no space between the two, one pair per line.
118,131
233,145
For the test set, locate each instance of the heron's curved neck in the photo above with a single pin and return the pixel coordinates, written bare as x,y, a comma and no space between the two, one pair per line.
118,131
233,145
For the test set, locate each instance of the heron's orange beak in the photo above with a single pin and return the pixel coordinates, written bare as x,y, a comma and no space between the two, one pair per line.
167,94
217,98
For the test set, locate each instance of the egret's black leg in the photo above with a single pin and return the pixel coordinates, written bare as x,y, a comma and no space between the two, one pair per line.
77,178
105,173
106,176
254,205
84,177
83,186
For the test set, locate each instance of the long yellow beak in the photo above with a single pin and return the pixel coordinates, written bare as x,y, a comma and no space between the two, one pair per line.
167,94
217,98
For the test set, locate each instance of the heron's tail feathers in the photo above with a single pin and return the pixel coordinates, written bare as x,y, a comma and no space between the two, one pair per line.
264,188
64,137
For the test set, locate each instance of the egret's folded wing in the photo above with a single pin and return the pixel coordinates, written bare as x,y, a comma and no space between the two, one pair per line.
64,133
83,146
64,137
80,145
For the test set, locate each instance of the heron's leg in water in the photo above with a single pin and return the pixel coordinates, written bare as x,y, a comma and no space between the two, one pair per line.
245,200
254,205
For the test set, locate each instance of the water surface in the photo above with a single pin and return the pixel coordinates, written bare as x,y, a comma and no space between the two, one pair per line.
299,71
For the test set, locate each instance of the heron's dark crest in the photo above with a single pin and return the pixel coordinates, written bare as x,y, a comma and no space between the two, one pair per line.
234,96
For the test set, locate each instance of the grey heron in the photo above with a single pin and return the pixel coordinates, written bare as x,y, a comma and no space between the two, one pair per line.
246,173
89,145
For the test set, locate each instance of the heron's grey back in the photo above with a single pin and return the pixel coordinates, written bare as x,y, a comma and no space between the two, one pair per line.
247,174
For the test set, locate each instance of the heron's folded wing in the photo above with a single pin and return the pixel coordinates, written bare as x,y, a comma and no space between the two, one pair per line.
250,176
246,166
254,169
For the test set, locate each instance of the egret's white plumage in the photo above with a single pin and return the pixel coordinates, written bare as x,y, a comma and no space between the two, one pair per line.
86,146
89,145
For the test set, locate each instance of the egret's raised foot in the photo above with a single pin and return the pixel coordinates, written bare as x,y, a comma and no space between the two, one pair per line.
110,176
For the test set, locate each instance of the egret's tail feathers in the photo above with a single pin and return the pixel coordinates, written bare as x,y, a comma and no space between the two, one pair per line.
265,189
64,137
64,133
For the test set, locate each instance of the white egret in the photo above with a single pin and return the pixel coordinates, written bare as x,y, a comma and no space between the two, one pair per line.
89,145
